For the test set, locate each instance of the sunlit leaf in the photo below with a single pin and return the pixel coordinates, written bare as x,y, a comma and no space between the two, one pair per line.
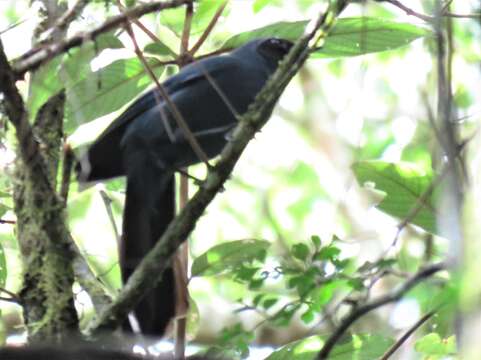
50,78
432,345
364,35
403,184
328,253
349,37
228,255
108,89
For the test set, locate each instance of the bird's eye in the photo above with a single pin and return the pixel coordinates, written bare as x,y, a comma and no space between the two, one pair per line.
275,42
275,48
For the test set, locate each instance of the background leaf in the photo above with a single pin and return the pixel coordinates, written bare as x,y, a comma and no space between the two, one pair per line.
71,67
108,89
231,254
359,347
403,184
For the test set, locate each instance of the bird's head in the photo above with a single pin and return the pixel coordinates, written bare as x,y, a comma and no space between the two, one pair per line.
271,50
274,49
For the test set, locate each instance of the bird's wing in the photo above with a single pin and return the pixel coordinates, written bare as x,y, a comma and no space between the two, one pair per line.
186,77
104,157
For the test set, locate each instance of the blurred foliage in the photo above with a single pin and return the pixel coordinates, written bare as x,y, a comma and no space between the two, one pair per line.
347,156
432,347
359,347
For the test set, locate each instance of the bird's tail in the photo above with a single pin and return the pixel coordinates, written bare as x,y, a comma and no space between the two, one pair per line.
149,208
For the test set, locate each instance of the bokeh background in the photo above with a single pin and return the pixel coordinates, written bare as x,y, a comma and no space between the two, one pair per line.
295,180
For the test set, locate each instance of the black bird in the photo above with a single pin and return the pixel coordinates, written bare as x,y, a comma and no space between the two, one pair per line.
146,145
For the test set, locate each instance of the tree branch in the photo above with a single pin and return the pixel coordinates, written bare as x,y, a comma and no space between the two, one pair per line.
406,335
362,310
66,19
429,18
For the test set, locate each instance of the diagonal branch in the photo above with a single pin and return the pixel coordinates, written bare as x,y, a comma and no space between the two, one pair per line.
362,310
406,335
42,54
66,19
428,18
208,29
249,124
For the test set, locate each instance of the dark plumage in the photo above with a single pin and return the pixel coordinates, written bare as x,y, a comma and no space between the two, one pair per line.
146,145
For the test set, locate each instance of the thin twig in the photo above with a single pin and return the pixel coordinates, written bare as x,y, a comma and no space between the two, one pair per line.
15,301
13,298
66,19
10,222
141,26
429,18
12,26
422,200
410,11
108,207
362,310
184,40
180,259
208,29
10,293
42,54
406,336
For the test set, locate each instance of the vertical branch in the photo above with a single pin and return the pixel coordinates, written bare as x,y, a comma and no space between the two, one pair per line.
42,234
181,257
452,199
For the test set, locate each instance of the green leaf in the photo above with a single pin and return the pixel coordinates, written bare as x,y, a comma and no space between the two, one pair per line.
328,253
268,303
258,5
245,273
365,35
356,283
45,82
349,37
316,240
403,184
255,284
258,298
322,294
359,347
308,316
232,254
283,317
300,251
159,48
108,89
432,345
